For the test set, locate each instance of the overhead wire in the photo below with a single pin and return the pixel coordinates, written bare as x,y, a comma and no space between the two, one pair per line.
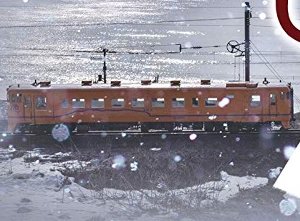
142,51
271,68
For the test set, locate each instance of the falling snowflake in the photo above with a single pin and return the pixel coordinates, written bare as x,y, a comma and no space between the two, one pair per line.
134,166
177,158
262,16
155,149
288,207
288,152
224,102
60,132
212,117
119,162
103,134
193,136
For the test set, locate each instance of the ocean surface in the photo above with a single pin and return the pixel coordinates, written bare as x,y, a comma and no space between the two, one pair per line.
62,40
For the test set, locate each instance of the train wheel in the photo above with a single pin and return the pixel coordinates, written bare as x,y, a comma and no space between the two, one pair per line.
144,128
219,127
41,129
198,126
233,127
22,129
209,127
60,132
169,127
263,128
71,127
82,128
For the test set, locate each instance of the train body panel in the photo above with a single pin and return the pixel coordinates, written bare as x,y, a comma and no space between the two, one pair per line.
102,104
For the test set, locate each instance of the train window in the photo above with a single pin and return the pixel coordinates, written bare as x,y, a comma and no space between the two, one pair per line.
282,95
64,103
255,101
41,102
138,102
178,102
195,102
97,103
158,102
27,102
273,99
211,102
118,102
16,98
288,95
78,103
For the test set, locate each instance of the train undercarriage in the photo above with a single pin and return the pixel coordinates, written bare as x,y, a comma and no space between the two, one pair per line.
150,127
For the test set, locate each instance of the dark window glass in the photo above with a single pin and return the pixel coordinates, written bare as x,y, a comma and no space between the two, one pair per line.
64,103
178,102
273,99
138,102
158,102
211,102
41,102
16,98
78,103
195,102
97,103
27,102
117,103
255,101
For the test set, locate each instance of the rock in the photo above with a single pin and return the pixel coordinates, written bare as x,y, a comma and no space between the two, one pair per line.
24,210
96,218
21,176
64,217
25,200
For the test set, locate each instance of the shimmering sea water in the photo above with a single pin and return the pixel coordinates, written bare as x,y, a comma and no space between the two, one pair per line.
58,40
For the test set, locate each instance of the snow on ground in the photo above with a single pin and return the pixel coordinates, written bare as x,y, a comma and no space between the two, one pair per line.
35,191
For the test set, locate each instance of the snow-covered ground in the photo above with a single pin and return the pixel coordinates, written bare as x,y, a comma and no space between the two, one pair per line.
35,187
35,191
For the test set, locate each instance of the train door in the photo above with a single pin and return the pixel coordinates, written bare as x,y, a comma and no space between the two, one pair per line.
40,108
272,104
255,108
28,108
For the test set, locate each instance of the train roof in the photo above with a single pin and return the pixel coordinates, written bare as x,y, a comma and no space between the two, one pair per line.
137,85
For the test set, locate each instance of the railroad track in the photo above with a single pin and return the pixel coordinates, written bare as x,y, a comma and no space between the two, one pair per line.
156,132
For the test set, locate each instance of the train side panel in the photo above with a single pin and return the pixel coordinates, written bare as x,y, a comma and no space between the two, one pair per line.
149,105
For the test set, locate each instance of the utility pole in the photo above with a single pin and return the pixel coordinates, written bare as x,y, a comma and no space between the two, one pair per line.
247,40
104,65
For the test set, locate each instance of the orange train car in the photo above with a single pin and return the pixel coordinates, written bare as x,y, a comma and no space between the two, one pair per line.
204,105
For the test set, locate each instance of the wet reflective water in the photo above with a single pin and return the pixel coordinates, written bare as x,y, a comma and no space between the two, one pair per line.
58,40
